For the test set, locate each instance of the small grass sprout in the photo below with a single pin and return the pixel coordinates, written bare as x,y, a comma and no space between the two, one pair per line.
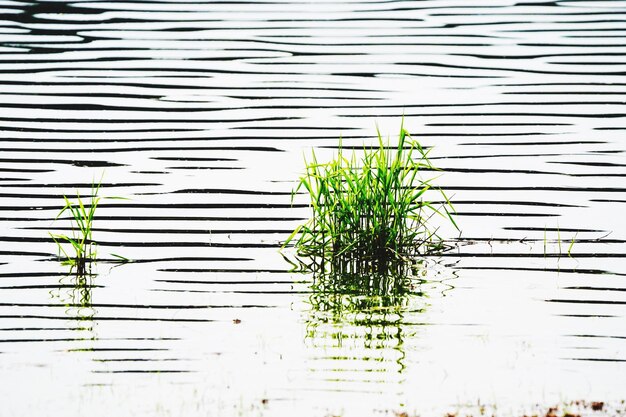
559,242
83,247
571,245
371,211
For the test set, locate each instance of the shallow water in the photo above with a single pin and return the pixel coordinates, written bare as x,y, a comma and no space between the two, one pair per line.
199,114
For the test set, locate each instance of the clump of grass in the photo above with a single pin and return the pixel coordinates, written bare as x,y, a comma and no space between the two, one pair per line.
83,247
558,241
369,212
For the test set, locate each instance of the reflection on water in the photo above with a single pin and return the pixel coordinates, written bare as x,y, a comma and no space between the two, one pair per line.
75,292
371,312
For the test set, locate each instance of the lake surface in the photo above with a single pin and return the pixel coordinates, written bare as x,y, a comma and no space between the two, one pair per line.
199,114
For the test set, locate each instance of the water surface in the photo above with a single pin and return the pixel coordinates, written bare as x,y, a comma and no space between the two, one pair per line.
200,112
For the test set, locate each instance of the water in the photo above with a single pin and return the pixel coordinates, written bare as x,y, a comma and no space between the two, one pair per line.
199,113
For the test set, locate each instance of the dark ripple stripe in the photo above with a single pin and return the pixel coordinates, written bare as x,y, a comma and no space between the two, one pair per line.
179,101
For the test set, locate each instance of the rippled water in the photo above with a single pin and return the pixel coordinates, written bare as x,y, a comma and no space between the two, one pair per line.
199,113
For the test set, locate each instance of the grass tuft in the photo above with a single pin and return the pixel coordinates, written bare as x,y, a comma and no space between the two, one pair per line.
82,246
371,212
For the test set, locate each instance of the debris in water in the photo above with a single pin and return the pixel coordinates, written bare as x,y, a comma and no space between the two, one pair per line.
597,405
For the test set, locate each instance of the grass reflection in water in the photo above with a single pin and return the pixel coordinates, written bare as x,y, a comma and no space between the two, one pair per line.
371,313
75,293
